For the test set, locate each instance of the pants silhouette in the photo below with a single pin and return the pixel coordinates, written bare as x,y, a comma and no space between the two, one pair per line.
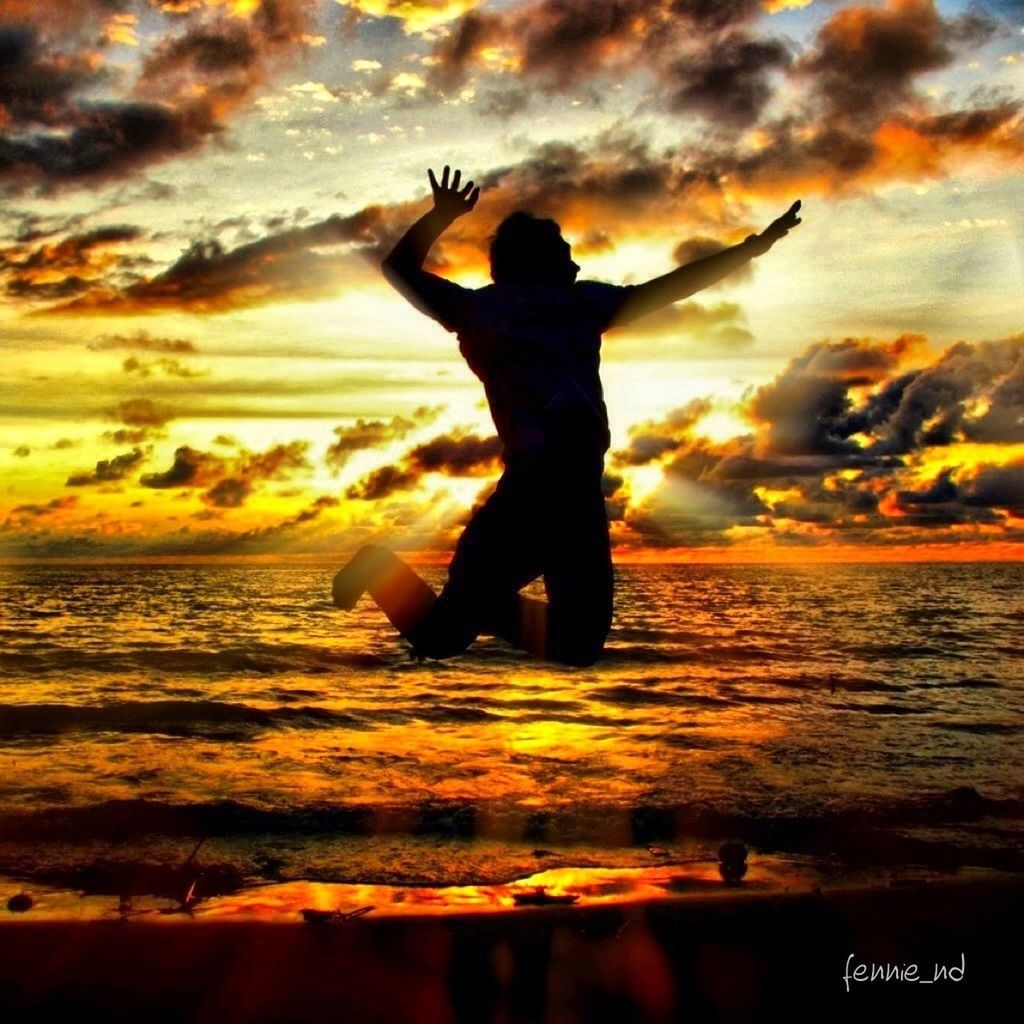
546,518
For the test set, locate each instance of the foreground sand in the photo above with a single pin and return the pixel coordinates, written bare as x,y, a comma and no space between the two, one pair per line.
671,943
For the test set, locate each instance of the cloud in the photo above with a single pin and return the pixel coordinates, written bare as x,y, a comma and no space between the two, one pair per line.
228,493
283,266
558,44
698,247
128,435
989,486
728,83
839,445
364,434
169,367
457,454
651,440
381,482
972,392
143,341
70,117
190,468
229,480
30,512
57,270
619,181
416,16
807,409
141,412
866,60
720,327
108,470
957,496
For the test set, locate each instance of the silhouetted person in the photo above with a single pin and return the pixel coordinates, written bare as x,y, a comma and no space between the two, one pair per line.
533,337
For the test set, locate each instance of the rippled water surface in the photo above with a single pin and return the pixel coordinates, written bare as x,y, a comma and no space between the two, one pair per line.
814,708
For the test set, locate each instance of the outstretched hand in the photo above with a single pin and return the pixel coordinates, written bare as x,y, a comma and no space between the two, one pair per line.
779,228
451,199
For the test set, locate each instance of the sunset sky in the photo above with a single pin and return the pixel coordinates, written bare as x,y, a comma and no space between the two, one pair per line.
201,357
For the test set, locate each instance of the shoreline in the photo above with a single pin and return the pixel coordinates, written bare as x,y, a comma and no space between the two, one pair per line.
639,944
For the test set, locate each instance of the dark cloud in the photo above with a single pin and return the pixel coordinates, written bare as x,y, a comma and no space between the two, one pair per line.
990,486
365,434
728,83
69,118
229,480
939,405
108,470
208,278
685,510
941,503
866,60
616,496
652,440
190,468
141,412
29,512
1002,419
103,141
128,435
143,341
618,181
381,482
839,438
863,117
167,366
969,495
807,409
456,53
64,268
560,45
457,454
228,493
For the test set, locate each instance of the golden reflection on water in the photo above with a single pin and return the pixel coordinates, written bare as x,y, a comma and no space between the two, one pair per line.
754,690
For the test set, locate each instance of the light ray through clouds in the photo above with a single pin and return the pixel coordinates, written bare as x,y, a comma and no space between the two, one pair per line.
201,357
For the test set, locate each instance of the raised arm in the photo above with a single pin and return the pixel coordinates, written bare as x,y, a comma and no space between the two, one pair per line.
403,266
692,277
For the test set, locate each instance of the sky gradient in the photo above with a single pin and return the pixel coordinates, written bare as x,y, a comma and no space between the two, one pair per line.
201,357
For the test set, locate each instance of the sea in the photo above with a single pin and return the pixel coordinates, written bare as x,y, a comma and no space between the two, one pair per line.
155,714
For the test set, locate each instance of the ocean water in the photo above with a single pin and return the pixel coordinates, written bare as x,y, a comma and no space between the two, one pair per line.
849,713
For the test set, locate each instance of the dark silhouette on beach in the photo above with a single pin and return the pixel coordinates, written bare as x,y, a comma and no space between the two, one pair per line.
533,337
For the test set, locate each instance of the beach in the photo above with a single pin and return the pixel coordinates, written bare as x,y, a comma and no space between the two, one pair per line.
785,944
227,801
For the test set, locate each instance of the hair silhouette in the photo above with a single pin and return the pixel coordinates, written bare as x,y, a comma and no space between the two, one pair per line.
528,250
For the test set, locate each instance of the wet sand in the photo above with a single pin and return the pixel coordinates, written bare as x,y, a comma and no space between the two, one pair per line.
655,945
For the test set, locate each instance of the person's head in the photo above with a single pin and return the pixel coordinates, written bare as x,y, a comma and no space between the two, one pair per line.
531,250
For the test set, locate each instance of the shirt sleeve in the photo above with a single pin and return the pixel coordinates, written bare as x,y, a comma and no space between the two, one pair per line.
601,302
444,301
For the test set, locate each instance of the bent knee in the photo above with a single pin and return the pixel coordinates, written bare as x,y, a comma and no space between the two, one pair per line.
581,653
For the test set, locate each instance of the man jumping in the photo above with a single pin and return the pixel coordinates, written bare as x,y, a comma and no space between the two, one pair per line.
533,337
